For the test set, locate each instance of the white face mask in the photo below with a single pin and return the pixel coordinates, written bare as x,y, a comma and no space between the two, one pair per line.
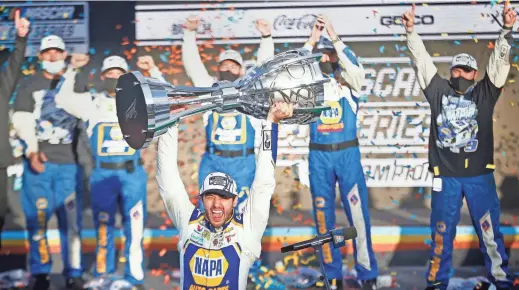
53,67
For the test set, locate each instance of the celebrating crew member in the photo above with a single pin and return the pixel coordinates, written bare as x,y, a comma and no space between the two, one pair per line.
461,151
54,141
8,81
334,147
217,247
229,136
118,173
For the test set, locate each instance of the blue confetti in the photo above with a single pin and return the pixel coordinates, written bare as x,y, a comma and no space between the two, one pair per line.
420,190
413,217
515,58
163,58
457,42
107,52
92,50
381,49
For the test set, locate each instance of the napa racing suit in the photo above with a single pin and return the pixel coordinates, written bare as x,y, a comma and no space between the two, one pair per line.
334,156
43,126
230,136
461,156
118,176
217,258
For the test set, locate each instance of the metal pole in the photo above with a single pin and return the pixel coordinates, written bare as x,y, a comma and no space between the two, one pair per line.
318,249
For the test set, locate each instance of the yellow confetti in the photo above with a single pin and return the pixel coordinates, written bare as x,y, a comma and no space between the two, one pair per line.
445,34
436,54
512,104
476,40
511,81
122,260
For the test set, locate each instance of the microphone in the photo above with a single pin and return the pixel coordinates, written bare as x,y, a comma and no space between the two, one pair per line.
338,237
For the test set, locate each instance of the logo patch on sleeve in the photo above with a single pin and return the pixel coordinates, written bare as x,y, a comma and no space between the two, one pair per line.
267,140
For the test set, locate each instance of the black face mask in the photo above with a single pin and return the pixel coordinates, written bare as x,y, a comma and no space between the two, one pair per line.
328,68
110,85
227,76
461,84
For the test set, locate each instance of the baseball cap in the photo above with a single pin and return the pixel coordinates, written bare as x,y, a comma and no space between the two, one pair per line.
52,41
464,60
324,44
231,55
114,61
219,183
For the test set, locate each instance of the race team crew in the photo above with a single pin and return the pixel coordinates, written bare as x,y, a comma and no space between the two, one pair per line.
118,174
230,136
8,80
56,142
461,151
217,247
333,147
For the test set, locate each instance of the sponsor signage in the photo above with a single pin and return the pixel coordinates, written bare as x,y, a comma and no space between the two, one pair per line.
161,24
69,20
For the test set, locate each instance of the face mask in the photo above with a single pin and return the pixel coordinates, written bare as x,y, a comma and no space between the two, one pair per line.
110,84
228,76
461,84
329,68
53,67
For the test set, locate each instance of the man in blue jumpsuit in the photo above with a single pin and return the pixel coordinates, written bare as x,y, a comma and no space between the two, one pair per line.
461,151
230,136
51,172
118,174
335,157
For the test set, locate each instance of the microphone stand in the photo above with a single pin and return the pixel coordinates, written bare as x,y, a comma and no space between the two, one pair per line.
318,248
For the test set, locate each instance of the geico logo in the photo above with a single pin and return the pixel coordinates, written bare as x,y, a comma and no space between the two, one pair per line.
397,20
208,267
389,81
50,13
196,287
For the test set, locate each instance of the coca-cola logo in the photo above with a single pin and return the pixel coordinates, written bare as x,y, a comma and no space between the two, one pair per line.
203,28
284,22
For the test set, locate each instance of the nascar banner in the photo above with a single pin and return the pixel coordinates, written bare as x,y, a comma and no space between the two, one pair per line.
370,20
69,20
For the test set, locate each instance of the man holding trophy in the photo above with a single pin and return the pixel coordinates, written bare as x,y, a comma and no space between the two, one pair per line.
217,247
230,136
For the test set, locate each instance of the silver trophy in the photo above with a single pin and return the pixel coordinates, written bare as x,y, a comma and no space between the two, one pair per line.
144,105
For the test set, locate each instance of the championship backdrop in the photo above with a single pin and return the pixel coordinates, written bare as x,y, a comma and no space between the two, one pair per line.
394,118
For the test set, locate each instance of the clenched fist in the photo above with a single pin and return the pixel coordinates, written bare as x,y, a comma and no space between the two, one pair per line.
22,25
79,60
263,26
509,15
408,19
146,63
192,23
280,111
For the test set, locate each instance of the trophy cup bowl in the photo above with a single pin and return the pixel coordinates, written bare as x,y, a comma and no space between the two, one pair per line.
146,106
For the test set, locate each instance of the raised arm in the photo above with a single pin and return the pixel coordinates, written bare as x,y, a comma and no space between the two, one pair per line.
193,64
171,187
257,209
352,71
499,63
420,58
266,47
146,63
9,77
80,105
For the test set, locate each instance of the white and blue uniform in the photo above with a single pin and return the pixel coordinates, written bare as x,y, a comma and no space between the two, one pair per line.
335,157
229,136
118,177
217,258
